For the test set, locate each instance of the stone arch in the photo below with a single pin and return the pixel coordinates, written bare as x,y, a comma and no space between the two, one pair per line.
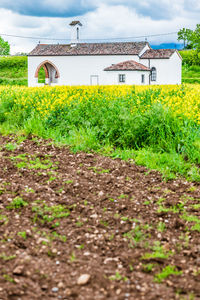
52,74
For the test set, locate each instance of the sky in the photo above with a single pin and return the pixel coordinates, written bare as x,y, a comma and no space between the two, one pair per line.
101,19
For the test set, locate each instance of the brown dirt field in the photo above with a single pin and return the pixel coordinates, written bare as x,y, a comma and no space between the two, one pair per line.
63,215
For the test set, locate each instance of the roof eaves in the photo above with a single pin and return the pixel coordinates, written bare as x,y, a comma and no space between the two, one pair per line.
110,70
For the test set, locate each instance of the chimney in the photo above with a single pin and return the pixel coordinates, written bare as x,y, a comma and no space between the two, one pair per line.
75,32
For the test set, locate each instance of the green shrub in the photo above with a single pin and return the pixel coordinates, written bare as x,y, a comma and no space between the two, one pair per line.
13,62
190,57
13,70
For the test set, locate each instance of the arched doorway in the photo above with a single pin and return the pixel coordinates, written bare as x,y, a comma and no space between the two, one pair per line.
47,73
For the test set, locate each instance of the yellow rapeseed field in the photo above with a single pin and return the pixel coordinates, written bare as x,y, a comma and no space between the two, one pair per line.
184,100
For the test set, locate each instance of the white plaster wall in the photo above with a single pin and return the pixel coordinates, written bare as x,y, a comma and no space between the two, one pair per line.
169,71
76,70
132,77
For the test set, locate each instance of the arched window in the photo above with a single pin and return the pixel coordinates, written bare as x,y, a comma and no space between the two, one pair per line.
153,74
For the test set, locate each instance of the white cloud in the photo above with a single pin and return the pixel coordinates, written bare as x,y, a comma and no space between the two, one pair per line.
121,21
113,18
48,8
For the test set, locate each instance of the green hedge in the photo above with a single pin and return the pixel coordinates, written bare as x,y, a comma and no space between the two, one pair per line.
190,57
13,62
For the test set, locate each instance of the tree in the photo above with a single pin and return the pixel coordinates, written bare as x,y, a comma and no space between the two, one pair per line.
185,36
195,38
191,38
4,47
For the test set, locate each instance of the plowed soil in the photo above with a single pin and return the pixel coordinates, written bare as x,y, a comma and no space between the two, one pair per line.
63,215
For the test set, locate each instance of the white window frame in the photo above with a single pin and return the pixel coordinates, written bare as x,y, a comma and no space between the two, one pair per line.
122,78
153,74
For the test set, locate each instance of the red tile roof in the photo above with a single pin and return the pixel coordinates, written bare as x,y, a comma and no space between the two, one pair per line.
128,48
161,53
73,23
129,65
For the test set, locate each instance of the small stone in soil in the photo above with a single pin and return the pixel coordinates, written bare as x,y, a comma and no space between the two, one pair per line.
127,295
67,292
118,291
55,289
94,216
83,279
18,270
61,285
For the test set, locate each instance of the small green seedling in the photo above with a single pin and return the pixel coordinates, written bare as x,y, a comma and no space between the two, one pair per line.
7,258
17,203
148,268
72,257
166,272
3,219
29,190
118,277
68,181
161,226
8,278
10,146
158,252
22,234
147,202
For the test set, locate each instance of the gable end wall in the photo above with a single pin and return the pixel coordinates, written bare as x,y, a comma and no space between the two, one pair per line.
169,71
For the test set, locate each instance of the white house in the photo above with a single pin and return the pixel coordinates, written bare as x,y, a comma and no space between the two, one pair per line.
103,63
